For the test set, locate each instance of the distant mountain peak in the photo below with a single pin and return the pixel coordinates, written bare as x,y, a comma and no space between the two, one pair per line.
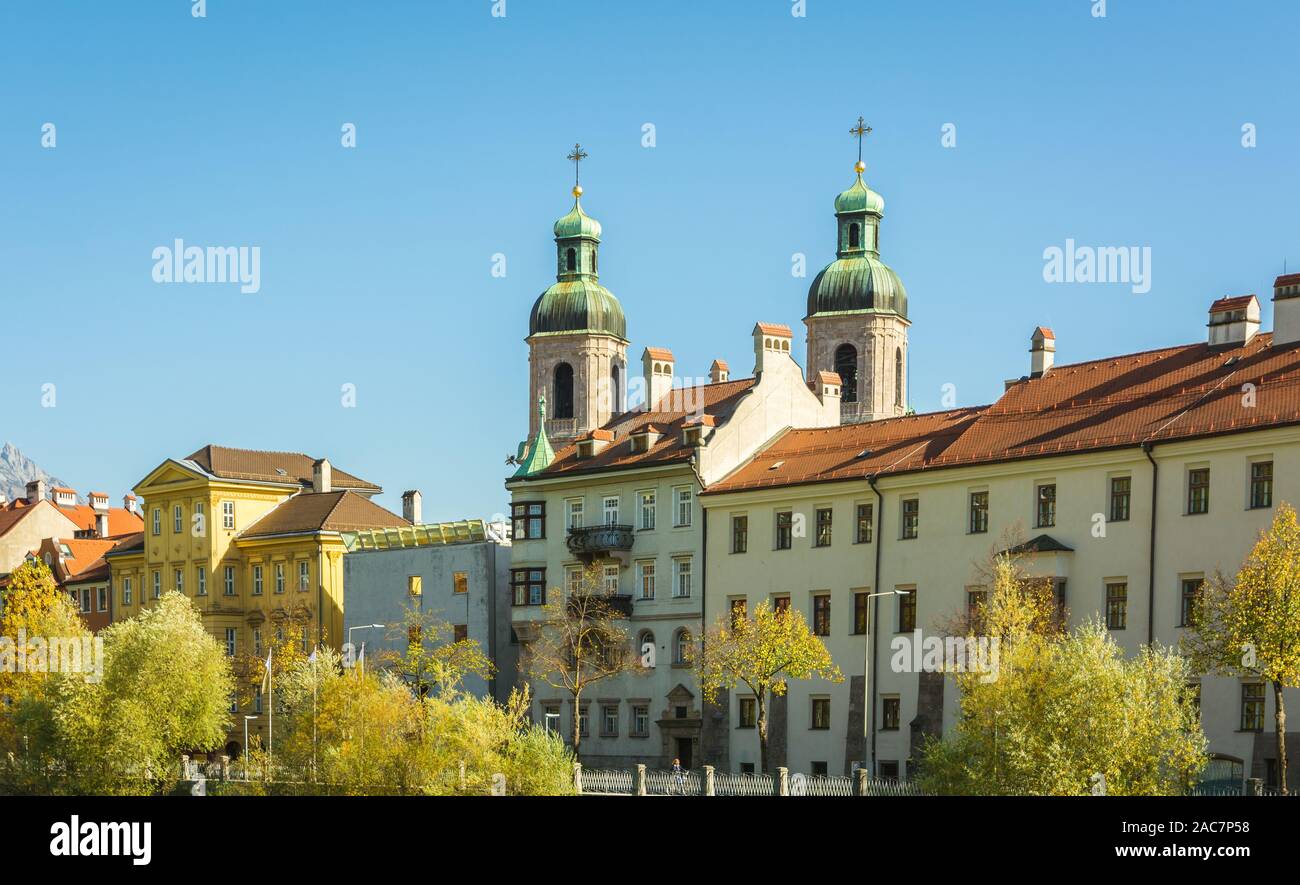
16,470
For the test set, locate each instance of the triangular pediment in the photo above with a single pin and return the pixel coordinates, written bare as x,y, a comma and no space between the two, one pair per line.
168,473
681,693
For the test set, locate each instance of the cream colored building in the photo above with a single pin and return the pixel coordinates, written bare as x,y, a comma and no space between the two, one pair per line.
1067,460
622,492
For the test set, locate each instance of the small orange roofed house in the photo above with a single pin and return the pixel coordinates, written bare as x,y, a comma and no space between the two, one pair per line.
253,538
52,524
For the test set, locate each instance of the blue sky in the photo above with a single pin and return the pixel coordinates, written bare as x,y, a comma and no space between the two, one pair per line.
376,261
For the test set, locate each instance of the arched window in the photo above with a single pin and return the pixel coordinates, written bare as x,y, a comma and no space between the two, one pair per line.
593,260
846,366
682,646
563,391
898,377
855,239
571,259
645,647
615,390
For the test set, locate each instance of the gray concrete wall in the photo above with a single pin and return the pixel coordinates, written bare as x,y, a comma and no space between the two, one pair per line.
375,592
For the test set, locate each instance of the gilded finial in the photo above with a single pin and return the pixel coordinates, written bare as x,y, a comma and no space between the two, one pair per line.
861,130
577,155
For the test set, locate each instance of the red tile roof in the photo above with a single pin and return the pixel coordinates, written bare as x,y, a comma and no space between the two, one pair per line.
278,467
120,520
1237,302
829,378
341,511
1179,392
1287,280
669,416
775,329
659,353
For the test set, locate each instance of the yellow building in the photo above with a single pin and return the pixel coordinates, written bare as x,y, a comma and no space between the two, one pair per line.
252,538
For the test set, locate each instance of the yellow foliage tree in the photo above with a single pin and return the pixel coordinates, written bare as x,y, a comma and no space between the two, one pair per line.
762,650
1249,624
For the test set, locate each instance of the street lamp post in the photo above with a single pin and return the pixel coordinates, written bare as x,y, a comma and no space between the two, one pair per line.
362,627
868,707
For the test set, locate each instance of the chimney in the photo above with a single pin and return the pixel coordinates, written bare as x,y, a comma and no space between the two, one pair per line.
101,524
35,491
320,476
4,499
827,387
1042,351
98,501
657,364
128,503
1233,321
718,372
771,340
1286,310
412,512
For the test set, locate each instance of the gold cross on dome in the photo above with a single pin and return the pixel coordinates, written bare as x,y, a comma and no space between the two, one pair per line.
860,130
577,155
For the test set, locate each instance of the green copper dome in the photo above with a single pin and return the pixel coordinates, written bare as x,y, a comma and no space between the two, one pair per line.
580,305
857,280
856,284
859,198
577,224
577,302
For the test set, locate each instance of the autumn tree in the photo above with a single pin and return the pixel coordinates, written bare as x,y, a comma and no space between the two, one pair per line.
1060,707
433,656
762,650
580,641
1249,625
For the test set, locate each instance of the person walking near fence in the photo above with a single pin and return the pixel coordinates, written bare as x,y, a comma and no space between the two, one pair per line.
679,776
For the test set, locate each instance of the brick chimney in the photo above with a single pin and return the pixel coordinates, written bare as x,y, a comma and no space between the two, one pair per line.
36,491
657,365
1286,310
321,478
1042,351
412,511
718,372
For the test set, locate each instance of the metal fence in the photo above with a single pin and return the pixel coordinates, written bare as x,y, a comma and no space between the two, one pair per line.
608,780
727,784
641,781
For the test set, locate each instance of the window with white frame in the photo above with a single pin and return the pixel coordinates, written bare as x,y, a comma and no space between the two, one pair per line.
157,584
229,580
611,579
178,519
178,577
573,579
646,578
103,599
573,509
232,638
611,510
228,514
201,581
683,506
85,599
682,577
126,591
257,580
157,521
279,577
304,574
648,508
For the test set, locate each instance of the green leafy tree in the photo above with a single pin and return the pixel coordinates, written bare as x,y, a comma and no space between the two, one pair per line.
433,657
1061,707
761,650
1249,625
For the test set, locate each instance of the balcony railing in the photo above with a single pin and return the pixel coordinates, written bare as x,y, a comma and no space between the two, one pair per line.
597,539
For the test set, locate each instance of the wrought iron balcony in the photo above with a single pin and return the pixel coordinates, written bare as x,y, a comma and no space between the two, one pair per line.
597,539
617,604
